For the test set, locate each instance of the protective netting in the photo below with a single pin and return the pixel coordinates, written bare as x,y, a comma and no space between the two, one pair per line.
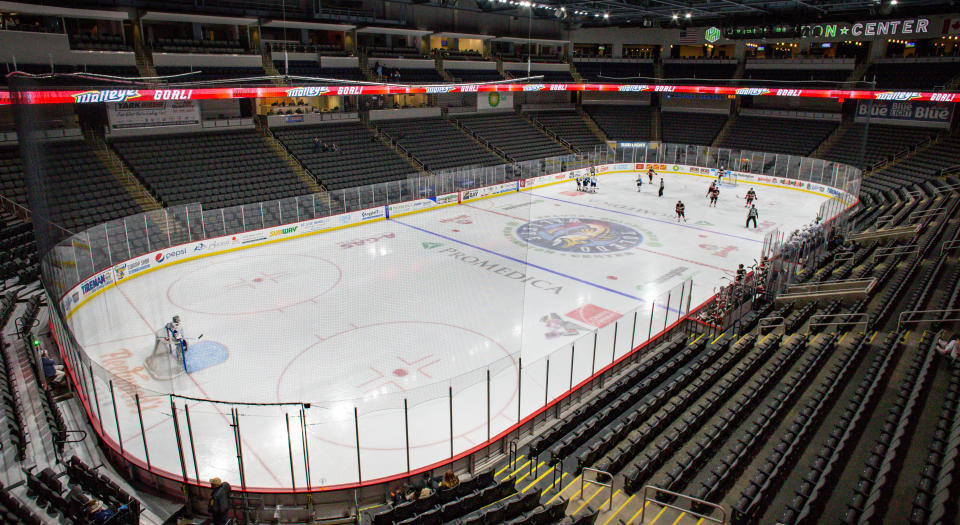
396,344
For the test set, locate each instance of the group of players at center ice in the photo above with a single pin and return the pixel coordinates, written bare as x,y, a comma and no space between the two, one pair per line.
588,183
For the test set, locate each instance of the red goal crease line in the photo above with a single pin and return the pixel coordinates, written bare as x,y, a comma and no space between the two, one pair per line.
91,96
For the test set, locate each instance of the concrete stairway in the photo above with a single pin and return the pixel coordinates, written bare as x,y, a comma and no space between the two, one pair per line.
724,131
122,173
592,124
397,148
302,172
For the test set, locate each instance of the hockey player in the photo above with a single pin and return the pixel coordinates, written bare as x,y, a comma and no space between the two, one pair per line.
713,186
593,181
650,174
639,182
752,216
679,209
751,196
660,193
741,274
579,183
714,196
175,336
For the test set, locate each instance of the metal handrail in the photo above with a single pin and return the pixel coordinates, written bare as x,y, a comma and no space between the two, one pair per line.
761,324
901,321
698,501
583,480
949,245
894,250
864,316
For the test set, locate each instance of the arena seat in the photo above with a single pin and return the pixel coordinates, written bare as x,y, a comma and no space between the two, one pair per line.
437,143
623,122
362,158
681,127
924,165
570,127
217,169
514,135
474,75
777,135
696,71
613,71
205,73
913,74
883,141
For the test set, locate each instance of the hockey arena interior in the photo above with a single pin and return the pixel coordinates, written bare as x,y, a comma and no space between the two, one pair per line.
672,262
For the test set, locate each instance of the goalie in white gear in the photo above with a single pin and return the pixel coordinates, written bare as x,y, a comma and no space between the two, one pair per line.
176,338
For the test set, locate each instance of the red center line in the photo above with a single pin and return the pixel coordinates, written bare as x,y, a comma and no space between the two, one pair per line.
202,391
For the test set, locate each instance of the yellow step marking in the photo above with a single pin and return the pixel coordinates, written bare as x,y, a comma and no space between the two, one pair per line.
655,518
717,338
497,473
607,502
530,471
563,489
584,504
519,469
682,514
538,479
638,512
872,336
554,483
625,503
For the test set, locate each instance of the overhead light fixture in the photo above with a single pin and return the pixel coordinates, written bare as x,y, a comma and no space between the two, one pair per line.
893,2
688,15
675,16
606,15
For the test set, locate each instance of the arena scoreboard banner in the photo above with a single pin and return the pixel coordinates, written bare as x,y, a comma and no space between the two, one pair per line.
120,96
907,111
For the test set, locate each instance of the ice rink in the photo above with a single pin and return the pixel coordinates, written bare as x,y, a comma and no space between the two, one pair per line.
416,310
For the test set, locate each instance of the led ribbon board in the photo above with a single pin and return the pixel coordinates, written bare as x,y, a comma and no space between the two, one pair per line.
92,96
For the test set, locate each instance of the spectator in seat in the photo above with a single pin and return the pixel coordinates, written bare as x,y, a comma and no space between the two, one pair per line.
450,480
52,372
949,348
219,504
98,513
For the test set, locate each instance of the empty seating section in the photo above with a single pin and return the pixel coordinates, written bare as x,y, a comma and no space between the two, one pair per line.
474,75
622,123
923,165
218,169
883,141
362,158
12,184
913,75
409,75
777,135
803,77
393,52
549,75
613,72
86,193
306,68
99,42
206,73
689,72
189,45
570,127
45,69
18,250
514,135
437,143
459,54
681,127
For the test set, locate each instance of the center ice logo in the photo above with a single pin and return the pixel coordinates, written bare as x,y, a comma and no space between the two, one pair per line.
579,235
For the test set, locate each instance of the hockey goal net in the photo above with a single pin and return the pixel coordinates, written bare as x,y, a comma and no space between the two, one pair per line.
729,179
166,361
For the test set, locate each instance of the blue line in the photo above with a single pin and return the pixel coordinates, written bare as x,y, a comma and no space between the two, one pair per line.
525,263
646,218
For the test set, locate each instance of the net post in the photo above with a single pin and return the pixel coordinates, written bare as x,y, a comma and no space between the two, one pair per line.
193,449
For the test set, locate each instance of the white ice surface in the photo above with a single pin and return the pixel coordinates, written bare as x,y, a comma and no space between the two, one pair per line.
428,302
